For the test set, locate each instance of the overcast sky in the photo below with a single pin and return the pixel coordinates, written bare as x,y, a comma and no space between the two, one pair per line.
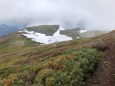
93,14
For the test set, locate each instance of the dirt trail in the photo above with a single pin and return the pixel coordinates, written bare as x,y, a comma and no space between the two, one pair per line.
104,75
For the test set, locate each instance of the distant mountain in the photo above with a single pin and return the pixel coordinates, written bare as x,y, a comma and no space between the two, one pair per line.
45,34
6,29
71,32
48,34
49,30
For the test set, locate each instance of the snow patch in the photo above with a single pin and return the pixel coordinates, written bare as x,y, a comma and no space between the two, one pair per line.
83,31
42,38
77,37
57,33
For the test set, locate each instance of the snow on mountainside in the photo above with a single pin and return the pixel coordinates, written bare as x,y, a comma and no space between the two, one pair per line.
83,31
48,34
42,38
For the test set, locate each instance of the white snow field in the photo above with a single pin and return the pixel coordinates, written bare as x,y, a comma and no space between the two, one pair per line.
83,31
42,38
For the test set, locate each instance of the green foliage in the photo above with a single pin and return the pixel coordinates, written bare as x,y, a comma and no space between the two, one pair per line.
6,72
68,68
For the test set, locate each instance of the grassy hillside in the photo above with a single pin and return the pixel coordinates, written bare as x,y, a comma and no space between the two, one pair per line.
27,63
74,33
71,32
104,73
49,30
94,33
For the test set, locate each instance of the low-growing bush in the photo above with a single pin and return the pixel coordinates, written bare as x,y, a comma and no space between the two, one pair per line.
68,68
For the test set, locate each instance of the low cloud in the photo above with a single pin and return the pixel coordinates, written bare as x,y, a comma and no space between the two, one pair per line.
89,14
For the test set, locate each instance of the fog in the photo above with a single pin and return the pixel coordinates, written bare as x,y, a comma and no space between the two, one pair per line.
88,14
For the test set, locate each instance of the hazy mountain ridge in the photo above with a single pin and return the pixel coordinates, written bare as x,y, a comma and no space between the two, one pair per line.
6,29
49,30
54,33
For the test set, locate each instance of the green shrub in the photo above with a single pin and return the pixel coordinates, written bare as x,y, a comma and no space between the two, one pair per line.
68,68
6,72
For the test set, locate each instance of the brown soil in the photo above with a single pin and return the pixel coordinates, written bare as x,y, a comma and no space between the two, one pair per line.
104,74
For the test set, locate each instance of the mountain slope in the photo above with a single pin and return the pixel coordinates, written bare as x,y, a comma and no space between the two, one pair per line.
49,30
74,33
24,62
104,75
21,61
